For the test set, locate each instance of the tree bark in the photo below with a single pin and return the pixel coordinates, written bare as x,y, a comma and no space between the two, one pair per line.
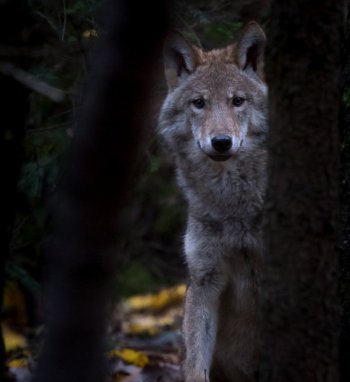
300,305
344,283
82,254
14,112
14,116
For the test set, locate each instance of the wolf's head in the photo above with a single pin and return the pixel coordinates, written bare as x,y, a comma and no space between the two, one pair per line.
216,99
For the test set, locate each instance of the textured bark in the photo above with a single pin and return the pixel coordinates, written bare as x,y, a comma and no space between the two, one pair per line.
344,284
81,254
300,306
14,110
14,113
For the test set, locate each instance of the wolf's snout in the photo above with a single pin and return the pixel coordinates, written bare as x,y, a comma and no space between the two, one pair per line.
221,143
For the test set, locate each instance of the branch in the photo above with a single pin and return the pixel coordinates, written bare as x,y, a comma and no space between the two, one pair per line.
26,79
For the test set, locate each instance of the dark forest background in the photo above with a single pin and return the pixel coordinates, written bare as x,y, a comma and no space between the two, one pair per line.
46,54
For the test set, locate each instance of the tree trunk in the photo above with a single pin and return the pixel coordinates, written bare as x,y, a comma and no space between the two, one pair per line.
14,116
300,305
82,253
344,284
14,112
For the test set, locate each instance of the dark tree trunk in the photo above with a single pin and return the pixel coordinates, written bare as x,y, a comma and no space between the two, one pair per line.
300,306
81,254
344,285
14,110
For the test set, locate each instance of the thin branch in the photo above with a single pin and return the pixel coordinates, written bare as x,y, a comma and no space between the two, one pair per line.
64,19
52,25
26,79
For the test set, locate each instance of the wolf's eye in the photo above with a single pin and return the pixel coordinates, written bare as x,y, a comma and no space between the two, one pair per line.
198,103
238,101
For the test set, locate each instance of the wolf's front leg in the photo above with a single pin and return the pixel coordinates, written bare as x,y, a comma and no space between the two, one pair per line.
199,327
201,314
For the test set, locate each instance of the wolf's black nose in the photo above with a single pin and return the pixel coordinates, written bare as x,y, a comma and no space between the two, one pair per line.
221,143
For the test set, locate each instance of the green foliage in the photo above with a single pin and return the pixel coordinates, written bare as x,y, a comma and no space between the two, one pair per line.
60,25
222,32
67,19
209,26
136,278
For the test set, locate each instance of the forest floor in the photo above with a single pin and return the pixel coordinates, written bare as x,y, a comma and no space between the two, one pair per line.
143,343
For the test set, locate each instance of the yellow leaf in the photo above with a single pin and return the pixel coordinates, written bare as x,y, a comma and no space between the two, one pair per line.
157,301
131,356
14,305
150,324
12,339
89,33
18,363
140,328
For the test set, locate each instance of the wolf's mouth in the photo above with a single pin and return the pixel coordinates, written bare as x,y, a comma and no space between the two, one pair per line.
220,158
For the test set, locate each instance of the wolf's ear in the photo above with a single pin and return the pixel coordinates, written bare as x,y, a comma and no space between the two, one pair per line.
250,48
180,59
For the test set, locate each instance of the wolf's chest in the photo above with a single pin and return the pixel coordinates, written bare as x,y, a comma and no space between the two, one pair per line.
223,194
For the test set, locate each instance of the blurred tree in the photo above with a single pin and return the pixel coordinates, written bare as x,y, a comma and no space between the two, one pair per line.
14,109
300,307
39,54
344,285
82,251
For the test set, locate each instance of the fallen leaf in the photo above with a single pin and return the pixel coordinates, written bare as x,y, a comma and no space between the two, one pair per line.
19,362
134,357
151,325
14,305
89,33
12,339
157,301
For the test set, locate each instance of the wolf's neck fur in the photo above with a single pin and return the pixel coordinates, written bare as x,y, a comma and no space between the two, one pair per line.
231,190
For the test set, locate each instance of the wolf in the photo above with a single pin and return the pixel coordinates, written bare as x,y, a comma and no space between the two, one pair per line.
214,124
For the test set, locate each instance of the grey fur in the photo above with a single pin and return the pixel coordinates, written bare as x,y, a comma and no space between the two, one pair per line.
223,243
